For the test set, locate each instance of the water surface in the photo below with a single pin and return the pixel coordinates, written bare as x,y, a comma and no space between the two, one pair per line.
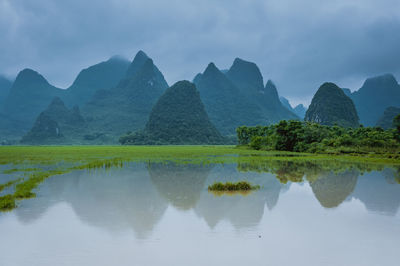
162,214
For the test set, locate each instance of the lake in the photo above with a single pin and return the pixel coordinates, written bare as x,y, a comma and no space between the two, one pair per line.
161,213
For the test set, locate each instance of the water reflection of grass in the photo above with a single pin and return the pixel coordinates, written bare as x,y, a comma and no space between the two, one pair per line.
232,193
229,186
47,161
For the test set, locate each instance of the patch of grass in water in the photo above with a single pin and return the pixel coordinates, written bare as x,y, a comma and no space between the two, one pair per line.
9,183
7,203
228,186
13,170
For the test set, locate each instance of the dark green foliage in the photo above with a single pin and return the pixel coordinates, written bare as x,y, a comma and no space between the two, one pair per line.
104,75
178,117
375,96
386,120
54,124
239,97
396,123
331,106
312,137
228,186
127,106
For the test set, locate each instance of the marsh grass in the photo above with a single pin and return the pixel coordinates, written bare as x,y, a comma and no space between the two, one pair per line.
229,186
55,160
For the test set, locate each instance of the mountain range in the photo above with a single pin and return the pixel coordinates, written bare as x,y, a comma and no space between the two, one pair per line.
375,95
117,96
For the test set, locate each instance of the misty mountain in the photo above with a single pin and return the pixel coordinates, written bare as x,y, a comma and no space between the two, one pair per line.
331,106
386,120
239,97
5,86
178,117
299,110
57,124
376,94
127,106
29,95
104,75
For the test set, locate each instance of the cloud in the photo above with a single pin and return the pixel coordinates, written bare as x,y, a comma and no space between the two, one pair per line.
298,44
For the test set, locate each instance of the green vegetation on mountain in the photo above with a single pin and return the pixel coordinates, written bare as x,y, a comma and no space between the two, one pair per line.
238,97
315,138
331,106
376,94
29,95
5,86
178,117
104,75
56,125
126,107
387,119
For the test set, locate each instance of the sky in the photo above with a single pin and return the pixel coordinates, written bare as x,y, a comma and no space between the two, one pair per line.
298,44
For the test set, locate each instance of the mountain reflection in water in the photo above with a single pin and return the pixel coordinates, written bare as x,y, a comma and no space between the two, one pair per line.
136,196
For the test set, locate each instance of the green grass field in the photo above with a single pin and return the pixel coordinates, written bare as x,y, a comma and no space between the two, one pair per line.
31,165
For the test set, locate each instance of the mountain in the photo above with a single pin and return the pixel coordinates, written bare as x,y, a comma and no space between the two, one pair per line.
247,77
239,97
347,92
104,75
57,124
5,86
331,106
29,95
285,103
227,107
386,120
178,117
299,110
376,94
127,106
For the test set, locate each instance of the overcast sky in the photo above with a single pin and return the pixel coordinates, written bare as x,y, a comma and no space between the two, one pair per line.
297,44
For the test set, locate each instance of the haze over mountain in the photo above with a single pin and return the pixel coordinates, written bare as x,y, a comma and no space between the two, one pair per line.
29,95
331,106
127,106
104,75
239,97
299,110
386,120
178,117
56,125
376,94
5,86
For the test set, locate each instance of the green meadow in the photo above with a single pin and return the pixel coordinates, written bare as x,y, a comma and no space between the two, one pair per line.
24,168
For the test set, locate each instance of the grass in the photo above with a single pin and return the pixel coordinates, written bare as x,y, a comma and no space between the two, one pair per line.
47,161
228,186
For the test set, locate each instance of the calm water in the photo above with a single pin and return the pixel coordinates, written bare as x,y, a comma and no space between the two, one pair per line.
162,214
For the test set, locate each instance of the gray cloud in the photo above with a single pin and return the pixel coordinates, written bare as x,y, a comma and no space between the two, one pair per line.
298,44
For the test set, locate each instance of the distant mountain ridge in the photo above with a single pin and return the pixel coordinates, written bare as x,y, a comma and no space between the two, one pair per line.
376,94
5,86
178,117
56,125
386,120
127,106
104,75
238,97
299,110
